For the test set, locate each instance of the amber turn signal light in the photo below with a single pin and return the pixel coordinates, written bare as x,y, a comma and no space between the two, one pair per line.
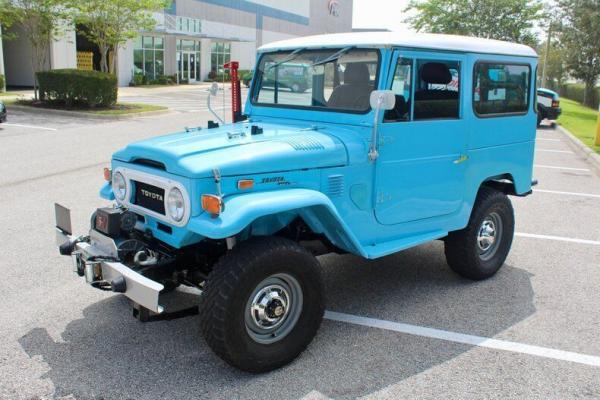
244,184
107,174
212,204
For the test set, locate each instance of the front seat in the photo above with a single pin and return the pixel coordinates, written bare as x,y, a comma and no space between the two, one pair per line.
354,93
435,103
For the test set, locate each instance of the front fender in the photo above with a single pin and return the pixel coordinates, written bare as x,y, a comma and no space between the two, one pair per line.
315,208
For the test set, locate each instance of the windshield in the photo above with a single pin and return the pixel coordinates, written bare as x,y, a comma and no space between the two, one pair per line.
330,79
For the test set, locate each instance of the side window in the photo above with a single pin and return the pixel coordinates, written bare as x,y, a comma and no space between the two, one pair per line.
401,86
437,90
501,88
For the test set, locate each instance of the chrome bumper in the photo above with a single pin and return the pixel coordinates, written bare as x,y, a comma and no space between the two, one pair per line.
88,261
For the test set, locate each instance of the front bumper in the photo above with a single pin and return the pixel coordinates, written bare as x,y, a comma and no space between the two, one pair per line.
94,257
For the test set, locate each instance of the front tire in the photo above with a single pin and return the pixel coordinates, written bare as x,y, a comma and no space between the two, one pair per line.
262,304
478,251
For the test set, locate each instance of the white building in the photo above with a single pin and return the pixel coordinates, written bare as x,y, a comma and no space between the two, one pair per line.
192,38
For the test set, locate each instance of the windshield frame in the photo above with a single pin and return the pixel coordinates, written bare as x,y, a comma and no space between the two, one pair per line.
254,87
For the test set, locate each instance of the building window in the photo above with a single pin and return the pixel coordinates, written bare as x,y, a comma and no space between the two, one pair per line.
220,54
500,88
189,25
148,56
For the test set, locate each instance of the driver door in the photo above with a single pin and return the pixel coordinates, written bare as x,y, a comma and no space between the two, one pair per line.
422,142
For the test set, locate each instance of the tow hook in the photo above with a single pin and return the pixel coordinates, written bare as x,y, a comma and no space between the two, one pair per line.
117,285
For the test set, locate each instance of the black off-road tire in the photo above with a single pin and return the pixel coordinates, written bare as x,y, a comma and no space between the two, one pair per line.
235,279
463,253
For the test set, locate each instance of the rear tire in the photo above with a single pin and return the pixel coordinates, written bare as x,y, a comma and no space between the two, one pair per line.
262,304
478,251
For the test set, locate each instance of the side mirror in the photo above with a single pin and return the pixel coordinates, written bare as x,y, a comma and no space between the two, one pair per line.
214,89
382,100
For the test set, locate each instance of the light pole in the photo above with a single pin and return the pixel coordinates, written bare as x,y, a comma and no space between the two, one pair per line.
546,56
597,140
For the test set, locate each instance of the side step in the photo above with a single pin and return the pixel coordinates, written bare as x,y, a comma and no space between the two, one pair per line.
394,246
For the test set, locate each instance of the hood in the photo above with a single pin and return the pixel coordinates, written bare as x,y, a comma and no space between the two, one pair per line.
235,151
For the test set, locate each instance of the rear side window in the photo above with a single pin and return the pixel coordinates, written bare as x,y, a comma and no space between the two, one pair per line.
501,88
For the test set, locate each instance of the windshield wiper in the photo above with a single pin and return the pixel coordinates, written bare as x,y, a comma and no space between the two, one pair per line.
332,57
289,58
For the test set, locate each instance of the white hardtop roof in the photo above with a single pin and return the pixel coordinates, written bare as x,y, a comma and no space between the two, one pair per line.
434,41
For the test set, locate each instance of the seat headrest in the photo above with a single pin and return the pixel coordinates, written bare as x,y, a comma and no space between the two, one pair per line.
435,72
356,74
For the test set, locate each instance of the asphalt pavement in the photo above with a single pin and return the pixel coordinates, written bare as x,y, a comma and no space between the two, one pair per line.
401,327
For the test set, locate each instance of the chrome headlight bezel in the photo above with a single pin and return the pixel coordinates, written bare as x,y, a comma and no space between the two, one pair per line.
119,186
175,204
134,175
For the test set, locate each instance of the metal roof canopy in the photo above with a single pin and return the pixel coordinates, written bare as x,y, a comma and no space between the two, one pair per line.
433,41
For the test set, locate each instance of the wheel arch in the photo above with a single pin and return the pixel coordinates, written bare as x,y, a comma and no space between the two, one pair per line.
265,213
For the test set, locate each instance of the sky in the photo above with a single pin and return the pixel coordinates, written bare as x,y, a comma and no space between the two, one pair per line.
368,14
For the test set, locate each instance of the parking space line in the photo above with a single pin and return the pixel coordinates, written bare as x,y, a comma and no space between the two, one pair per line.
557,167
554,151
472,340
558,238
549,140
30,126
567,193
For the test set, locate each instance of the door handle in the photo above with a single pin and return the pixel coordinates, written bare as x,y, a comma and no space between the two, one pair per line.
461,159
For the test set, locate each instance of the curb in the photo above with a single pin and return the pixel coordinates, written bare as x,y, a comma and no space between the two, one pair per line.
83,114
585,152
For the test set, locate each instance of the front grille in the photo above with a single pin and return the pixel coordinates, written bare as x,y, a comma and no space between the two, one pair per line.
149,197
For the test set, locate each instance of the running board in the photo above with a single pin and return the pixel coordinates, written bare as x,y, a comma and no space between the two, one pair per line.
394,246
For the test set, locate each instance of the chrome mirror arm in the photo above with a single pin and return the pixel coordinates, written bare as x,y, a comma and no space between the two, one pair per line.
213,92
373,152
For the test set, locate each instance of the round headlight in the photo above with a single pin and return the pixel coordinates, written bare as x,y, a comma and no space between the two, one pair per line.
175,204
119,186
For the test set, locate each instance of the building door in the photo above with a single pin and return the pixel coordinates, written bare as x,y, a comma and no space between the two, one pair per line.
192,67
421,165
189,65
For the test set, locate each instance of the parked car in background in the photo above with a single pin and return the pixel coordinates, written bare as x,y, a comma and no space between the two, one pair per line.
2,112
548,105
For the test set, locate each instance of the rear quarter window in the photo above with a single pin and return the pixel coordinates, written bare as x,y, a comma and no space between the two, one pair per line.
501,88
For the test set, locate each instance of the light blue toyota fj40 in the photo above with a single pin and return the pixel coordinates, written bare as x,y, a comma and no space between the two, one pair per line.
397,141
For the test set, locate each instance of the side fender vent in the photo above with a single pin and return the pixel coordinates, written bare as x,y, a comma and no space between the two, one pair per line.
335,185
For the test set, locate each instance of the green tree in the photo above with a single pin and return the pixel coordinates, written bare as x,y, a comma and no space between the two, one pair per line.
110,23
580,37
42,22
510,20
555,64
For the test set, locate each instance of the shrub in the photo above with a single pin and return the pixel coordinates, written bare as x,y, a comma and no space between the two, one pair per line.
1,83
574,91
73,87
138,79
164,80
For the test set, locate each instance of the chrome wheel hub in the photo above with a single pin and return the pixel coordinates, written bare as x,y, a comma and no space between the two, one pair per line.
269,306
273,308
488,236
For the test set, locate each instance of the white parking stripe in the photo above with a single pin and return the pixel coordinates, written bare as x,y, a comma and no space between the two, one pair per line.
555,151
549,140
567,193
30,126
456,337
558,238
565,168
